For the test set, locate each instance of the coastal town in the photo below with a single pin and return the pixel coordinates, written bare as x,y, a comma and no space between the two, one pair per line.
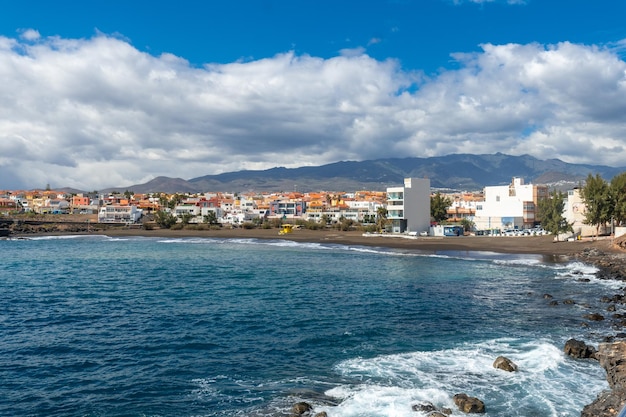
412,208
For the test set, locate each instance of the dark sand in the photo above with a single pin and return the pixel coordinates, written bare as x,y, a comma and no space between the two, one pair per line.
540,245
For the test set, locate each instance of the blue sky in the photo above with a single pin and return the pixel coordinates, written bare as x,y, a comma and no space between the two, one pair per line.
112,93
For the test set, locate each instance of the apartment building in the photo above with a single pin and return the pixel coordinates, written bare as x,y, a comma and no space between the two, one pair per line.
513,206
115,213
408,207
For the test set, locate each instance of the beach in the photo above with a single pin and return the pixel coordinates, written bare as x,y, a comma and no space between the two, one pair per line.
540,245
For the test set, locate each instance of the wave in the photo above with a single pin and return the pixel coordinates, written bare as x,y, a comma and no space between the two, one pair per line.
391,384
66,237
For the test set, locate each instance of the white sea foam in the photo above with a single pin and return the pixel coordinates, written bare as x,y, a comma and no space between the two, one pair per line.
581,272
66,237
390,385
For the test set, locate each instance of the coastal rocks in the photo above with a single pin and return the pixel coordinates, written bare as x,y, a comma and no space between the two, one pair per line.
469,404
594,317
505,364
301,408
431,409
611,266
612,357
579,349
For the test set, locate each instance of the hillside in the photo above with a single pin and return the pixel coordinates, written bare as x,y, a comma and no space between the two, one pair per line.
458,172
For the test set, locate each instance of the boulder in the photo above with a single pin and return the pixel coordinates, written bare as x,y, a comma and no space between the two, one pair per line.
505,364
594,317
431,409
301,408
579,349
469,404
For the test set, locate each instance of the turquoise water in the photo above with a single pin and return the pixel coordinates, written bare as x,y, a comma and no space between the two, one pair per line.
95,326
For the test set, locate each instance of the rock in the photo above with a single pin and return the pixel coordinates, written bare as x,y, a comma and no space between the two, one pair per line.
424,407
301,408
469,404
505,364
548,296
579,349
431,409
594,317
554,303
612,357
608,404
569,301
322,414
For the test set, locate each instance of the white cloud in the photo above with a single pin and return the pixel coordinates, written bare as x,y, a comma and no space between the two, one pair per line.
95,113
30,35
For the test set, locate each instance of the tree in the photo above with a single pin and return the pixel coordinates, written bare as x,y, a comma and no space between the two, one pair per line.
595,194
617,192
210,217
163,200
439,207
128,194
164,219
467,224
175,200
186,218
551,213
381,218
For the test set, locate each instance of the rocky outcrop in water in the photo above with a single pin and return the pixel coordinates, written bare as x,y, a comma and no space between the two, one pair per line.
469,404
505,364
431,409
612,357
579,349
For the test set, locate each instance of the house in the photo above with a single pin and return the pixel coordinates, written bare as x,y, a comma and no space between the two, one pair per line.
513,206
408,207
574,210
8,206
287,207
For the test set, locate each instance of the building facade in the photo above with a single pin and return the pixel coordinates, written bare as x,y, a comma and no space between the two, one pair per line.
408,207
513,206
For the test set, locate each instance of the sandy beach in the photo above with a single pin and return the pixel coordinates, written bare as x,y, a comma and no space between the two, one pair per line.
541,245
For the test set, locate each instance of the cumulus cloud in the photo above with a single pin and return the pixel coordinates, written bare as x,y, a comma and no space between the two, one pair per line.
94,113
30,34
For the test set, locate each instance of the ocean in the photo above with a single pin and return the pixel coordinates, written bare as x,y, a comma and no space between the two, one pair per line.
99,326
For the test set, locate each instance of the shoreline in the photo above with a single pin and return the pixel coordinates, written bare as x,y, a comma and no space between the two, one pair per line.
531,245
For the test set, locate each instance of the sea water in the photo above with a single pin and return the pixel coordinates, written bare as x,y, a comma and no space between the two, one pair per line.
97,326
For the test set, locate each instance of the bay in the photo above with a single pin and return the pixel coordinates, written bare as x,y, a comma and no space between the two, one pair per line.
96,326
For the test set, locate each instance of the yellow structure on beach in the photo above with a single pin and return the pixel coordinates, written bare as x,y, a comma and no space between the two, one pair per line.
285,229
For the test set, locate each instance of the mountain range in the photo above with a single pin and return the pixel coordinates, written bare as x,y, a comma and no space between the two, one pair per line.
457,172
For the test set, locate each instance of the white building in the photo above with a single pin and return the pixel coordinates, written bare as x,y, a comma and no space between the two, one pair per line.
408,207
512,206
115,213
574,211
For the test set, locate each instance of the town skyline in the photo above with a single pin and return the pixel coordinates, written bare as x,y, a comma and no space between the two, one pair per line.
103,94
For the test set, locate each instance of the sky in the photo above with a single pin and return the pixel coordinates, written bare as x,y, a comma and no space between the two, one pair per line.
111,93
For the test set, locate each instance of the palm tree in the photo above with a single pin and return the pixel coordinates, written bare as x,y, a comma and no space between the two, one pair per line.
381,218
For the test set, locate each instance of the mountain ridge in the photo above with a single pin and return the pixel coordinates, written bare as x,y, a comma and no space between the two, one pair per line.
455,171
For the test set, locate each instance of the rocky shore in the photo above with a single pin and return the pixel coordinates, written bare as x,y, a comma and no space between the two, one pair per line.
611,353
